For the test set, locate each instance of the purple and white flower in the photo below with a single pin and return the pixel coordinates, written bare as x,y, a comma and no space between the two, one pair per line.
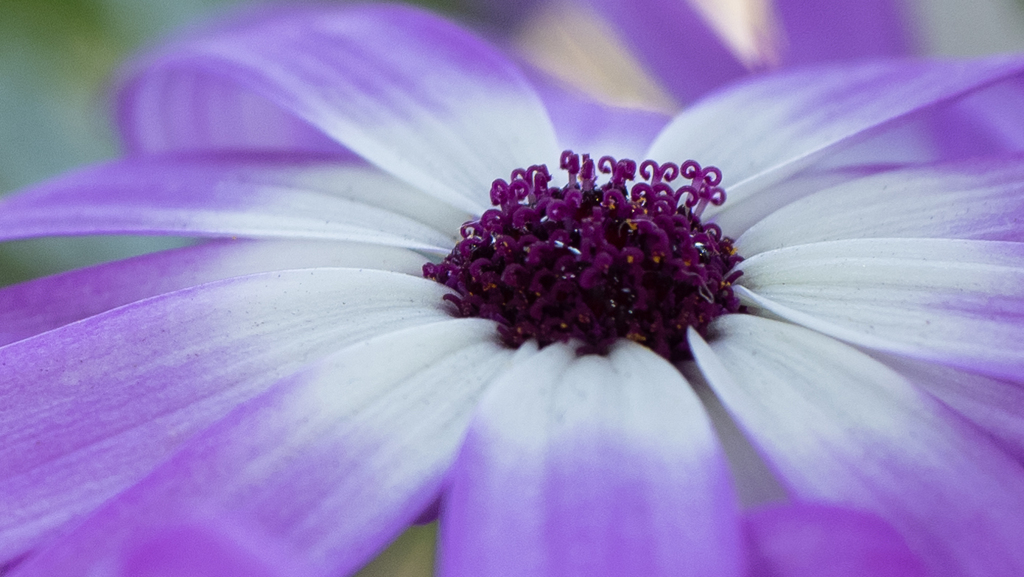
295,389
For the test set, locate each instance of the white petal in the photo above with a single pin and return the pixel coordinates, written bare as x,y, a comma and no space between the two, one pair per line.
977,199
767,128
46,303
252,196
843,428
955,302
411,93
93,406
335,461
995,406
590,465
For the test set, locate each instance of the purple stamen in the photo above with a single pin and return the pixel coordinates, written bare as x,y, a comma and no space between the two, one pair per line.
596,263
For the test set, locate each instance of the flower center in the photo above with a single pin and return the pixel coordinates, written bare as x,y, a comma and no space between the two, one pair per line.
596,263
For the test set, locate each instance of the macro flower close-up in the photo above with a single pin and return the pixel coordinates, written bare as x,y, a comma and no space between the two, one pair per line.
779,333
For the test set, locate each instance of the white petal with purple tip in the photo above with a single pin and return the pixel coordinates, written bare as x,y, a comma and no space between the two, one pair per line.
768,128
47,303
995,406
195,111
359,76
94,405
219,197
842,428
335,461
590,466
978,199
740,217
954,302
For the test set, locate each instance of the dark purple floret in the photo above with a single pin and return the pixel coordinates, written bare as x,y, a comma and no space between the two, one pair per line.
596,263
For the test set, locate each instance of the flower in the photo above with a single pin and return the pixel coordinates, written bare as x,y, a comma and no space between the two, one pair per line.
308,385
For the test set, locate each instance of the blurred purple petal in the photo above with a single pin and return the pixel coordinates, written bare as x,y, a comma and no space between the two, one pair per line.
206,547
814,540
91,407
675,42
50,302
335,462
953,302
842,428
690,57
221,115
587,126
357,74
830,31
978,123
590,465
